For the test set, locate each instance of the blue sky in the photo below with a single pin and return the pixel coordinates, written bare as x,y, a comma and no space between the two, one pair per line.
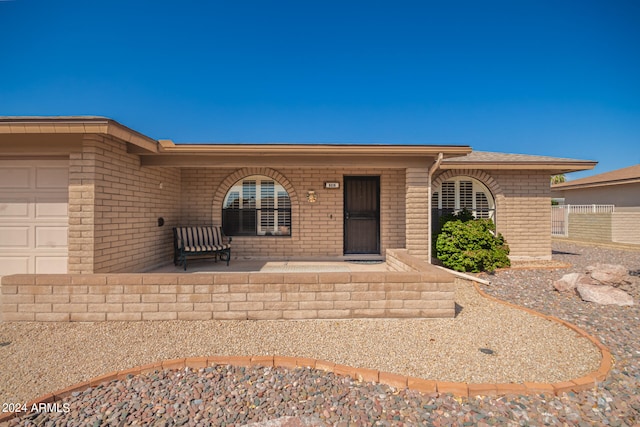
558,78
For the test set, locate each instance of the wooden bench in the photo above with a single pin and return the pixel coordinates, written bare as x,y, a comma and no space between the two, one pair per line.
200,241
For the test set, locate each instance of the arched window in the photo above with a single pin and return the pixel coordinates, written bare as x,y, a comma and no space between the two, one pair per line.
463,192
256,206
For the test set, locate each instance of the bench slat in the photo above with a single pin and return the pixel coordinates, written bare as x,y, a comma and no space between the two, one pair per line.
201,240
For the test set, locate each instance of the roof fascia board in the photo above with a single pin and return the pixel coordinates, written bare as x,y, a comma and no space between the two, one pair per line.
131,136
29,144
76,125
283,161
167,147
570,186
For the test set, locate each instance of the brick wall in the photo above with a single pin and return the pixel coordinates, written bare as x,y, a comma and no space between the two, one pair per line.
114,205
317,228
590,227
402,260
226,296
523,213
616,227
417,211
625,227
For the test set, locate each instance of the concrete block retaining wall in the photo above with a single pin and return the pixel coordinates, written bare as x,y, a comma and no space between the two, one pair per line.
226,296
590,227
624,227
616,227
400,260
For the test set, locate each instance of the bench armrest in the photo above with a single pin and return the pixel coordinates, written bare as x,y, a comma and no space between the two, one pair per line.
224,236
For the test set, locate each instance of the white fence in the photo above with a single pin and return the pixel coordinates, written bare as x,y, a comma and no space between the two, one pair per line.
560,216
584,209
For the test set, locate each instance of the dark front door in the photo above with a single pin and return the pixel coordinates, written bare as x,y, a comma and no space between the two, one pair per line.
361,215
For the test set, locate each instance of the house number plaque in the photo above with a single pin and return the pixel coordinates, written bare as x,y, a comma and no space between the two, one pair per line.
331,185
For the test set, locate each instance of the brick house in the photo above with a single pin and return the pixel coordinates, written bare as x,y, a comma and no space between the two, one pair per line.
84,195
620,187
87,208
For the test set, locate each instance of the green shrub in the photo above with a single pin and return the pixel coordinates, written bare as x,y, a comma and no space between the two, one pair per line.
464,215
471,245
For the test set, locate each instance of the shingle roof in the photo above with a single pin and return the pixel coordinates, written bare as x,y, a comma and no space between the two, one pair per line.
491,160
488,156
619,176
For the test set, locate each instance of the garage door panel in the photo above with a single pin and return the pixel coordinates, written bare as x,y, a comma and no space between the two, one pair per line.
14,264
51,264
11,207
15,237
52,177
50,207
51,237
34,219
15,178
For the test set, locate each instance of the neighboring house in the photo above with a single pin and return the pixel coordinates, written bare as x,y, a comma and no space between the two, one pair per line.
86,195
620,188
603,207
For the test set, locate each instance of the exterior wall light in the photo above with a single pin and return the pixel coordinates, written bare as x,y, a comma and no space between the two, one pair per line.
311,196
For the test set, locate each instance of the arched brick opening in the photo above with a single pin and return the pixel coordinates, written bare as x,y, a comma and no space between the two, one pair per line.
492,185
481,176
227,183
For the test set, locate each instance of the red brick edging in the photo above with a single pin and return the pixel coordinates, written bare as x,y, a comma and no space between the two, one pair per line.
361,374
578,384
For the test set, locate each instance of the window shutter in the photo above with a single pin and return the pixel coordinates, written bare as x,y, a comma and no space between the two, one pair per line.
482,206
466,195
448,195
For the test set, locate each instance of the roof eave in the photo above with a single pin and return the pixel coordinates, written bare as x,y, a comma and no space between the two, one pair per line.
276,149
555,167
77,125
570,186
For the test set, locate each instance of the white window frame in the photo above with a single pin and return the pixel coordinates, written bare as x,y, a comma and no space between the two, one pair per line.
477,187
280,218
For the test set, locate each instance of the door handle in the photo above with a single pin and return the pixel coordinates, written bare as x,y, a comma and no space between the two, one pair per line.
346,215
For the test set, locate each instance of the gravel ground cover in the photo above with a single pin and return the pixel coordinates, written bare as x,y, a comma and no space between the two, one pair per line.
223,395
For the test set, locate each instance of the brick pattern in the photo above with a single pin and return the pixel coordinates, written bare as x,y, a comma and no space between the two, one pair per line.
590,227
114,205
524,213
401,260
464,390
624,227
417,211
226,296
317,228
616,227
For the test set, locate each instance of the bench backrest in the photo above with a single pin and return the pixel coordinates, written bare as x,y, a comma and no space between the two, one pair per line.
198,236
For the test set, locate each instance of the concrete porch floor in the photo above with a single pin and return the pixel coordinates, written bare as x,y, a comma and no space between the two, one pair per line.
273,266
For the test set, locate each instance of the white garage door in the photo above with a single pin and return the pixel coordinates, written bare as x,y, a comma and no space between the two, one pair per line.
34,200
